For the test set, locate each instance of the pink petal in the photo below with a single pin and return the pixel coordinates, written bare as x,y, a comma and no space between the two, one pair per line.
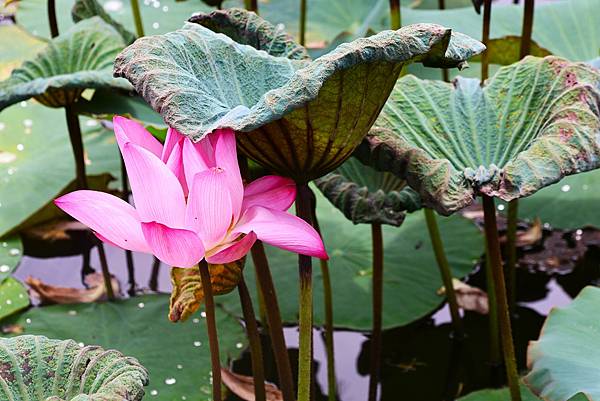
271,191
234,251
173,138
226,158
209,206
173,246
282,230
113,219
175,164
194,161
127,130
157,194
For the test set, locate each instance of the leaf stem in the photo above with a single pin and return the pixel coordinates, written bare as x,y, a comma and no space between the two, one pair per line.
328,301
110,293
263,275
493,244
251,5
485,39
303,206
137,18
128,253
445,272
377,241
52,18
445,72
302,22
77,147
395,14
153,283
511,248
494,331
527,30
211,326
253,337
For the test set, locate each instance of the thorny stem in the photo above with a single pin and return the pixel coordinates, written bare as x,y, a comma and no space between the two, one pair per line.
485,57
511,248
153,284
254,338
251,5
395,14
52,18
211,326
377,241
302,22
110,294
303,206
128,253
527,30
328,301
442,262
137,18
491,235
263,275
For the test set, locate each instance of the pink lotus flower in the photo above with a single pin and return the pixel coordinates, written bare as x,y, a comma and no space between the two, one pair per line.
218,219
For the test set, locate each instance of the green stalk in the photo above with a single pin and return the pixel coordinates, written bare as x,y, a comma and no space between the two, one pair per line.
256,355
137,18
395,14
303,206
377,241
211,326
328,301
485,57
494,330
442,262
511,248
491,234
263,276
302,22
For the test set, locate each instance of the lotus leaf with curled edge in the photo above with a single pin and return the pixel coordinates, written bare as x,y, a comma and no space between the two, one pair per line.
300,118
532,123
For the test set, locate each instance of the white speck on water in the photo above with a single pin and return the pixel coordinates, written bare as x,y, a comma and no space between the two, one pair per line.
81,345
239,345
28,321
153,392
197,343
195,320
14,252
23,103
146,2
11,171
4,244
28,123
113,5
20,147
203,314
585,187
8,302
501,207
91,123
4,268
165,8
170,381
565,188
155,25
2,126
156,4
21,296
179,367
72,313
578,232
141,305
183,397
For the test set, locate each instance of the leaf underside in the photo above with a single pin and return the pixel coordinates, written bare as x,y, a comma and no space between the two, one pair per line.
533,123
37,368
368,196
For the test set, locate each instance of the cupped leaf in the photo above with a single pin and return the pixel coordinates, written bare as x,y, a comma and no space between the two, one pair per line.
566,358
11,252
302,118
498,395
366,195
35,154
411,279
187,294
176,356
13,298
84,9
247,28
533,123
17,45
41,369
79,59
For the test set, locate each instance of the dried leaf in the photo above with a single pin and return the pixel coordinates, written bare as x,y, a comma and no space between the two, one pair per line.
56,230
49,294
243,386
469,298
12,329
187,295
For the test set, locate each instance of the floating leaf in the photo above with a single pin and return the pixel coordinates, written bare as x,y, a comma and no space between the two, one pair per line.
11,252
247,28
533,123
565,359
51,294
13,297
58,74
411,277
187,294
176,356
38,368
200,81
365,195
84,9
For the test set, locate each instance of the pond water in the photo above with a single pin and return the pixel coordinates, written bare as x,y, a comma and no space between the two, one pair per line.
421,361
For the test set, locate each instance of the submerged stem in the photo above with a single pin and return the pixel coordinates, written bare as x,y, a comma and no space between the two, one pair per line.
491,235
211,326
137,18
445,272
511,250
302,22
110,293
377,240
395,14
253,337
303,206
485,39
263,276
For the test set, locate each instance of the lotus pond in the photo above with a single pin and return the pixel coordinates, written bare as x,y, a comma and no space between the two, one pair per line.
299,200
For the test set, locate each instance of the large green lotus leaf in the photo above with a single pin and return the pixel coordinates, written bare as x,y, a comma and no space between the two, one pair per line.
11,252
411,276
366,195
566,358
176,355
84,9
199,81
498,395
533,123
13,298
41,369
35,153
79,59
17,45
